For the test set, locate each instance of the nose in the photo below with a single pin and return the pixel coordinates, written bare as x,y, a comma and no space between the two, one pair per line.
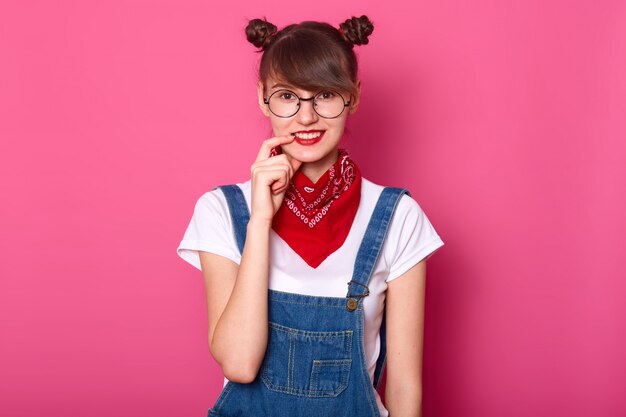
306,115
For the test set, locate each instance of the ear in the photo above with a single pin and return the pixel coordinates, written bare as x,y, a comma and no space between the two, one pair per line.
262,104
354,103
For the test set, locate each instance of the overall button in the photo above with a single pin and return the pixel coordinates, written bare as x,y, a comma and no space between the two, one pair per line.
351,304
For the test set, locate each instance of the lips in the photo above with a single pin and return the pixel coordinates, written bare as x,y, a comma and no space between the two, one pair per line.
309,137
308,134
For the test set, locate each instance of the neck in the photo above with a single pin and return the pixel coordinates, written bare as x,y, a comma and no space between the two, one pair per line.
314,170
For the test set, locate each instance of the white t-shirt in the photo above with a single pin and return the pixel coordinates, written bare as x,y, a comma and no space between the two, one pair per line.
410,239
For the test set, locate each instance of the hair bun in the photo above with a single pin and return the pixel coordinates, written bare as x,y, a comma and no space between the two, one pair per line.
357,29
259,31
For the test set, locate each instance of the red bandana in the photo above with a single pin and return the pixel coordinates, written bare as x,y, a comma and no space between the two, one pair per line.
315,218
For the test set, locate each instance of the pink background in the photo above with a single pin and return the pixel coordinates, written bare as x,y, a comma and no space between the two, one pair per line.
504,119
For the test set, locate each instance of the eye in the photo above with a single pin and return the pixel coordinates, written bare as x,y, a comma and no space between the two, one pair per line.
286,95
326,95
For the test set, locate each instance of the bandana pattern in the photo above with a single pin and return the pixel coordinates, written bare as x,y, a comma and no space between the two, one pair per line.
315,218
300,206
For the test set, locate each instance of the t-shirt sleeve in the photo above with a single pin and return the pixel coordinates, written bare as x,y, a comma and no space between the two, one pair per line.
411,238
210,230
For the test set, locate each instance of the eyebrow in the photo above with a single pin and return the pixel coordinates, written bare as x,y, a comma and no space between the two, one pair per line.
282,85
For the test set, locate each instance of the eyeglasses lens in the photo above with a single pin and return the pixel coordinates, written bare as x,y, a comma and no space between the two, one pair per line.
285,103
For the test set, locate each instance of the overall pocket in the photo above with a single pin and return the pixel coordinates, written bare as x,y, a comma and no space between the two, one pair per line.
307,363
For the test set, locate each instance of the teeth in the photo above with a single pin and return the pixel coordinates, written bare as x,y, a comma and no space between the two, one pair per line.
307,135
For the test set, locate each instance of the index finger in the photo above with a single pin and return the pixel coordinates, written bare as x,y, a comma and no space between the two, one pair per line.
268,144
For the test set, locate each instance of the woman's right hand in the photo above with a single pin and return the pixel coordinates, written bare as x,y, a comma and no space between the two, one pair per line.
271,177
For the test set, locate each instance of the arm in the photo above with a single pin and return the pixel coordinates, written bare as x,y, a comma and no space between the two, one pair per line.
237,295
237,305
405,329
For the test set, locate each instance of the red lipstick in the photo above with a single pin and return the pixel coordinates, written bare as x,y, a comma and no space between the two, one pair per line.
309,142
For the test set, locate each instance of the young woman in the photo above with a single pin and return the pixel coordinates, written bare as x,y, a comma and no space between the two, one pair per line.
312,272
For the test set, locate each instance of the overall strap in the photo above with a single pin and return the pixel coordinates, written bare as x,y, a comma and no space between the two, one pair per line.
366,259
372,242
239,213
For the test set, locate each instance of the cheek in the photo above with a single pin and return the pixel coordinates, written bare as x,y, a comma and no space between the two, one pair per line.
279,125
339,124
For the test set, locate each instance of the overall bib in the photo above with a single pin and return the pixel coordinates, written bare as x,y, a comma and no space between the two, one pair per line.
315,363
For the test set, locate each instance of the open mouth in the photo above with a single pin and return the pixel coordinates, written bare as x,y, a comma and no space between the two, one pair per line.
310,137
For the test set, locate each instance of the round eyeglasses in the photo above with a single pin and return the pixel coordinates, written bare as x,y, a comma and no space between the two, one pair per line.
285,103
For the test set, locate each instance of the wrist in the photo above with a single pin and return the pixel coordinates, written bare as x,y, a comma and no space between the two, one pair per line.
256,222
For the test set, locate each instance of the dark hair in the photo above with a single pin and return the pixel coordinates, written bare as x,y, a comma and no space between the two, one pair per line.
310,55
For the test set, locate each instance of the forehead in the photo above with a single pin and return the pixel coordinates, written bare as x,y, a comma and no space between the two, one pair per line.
274,85
277,81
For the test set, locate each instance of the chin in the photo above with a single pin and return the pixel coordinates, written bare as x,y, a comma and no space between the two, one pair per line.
306,155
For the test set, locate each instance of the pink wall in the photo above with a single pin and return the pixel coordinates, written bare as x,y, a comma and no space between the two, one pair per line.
504,119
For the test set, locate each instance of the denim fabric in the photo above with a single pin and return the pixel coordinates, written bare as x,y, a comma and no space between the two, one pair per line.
315,363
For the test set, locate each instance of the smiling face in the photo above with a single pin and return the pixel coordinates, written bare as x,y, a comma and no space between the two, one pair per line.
317,137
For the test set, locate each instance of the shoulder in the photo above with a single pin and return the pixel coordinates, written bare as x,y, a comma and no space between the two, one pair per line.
407,205
215,199
211,201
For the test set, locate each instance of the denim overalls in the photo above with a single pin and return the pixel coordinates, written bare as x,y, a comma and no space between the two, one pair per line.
314,364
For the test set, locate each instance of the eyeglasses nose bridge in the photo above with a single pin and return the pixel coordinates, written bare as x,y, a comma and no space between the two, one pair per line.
307,99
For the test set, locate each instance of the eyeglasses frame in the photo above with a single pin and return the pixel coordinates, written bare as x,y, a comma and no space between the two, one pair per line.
345,104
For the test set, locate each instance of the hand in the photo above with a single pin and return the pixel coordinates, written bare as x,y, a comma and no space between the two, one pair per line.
271,177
